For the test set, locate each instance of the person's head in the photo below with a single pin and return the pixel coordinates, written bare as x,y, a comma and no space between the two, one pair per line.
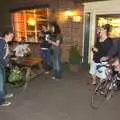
105,30
55,28
7,35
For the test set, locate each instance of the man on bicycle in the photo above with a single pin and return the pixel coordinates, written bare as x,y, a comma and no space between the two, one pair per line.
101,50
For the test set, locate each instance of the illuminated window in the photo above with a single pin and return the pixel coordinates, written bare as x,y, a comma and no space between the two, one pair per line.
113,20
26,23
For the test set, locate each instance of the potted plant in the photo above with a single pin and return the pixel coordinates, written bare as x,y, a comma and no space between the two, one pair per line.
74,58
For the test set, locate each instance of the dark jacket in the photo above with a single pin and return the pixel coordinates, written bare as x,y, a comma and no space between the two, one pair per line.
104,49
116,49
2,51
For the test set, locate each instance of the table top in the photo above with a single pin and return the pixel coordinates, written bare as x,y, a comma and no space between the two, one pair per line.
33,61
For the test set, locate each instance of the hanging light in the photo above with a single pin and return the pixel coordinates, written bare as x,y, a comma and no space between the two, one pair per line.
69,13
31,22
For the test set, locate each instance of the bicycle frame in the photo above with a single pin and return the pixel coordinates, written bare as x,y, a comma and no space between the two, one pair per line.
105,88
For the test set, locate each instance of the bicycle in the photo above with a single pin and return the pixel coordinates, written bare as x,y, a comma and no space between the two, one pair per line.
105,88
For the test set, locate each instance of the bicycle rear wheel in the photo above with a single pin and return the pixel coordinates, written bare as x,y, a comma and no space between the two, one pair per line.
110,89
99,95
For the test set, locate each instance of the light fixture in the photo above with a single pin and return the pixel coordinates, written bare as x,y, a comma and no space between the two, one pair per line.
77,18
31,22
69,13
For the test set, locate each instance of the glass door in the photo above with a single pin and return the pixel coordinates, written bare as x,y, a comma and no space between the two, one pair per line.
86,40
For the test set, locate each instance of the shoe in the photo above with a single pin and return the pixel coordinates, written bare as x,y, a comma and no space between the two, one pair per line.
56,79
47,72
9,95
5,104
53,78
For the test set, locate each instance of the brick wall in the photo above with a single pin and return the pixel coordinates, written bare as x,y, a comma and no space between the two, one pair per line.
72,31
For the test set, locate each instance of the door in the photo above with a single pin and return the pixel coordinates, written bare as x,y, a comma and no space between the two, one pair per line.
86,40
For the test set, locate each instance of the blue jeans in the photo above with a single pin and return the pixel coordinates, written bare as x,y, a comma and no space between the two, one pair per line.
46,55
2,84
56,63
47,59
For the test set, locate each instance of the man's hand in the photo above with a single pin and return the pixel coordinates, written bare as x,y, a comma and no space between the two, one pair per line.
116,65
103,59
94,49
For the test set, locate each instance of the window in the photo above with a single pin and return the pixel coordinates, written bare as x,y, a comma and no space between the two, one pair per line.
26,23
113,20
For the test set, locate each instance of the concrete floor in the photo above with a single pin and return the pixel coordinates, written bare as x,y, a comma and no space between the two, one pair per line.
69,99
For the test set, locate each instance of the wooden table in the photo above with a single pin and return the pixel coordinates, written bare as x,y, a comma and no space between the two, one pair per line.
29,64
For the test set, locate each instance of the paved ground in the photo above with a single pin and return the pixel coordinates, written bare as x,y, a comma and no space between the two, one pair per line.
69,99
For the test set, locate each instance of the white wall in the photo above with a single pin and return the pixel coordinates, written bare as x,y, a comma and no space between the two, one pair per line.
103,7
99,8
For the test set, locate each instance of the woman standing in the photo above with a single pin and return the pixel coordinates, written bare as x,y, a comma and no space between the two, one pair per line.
45,48
56,41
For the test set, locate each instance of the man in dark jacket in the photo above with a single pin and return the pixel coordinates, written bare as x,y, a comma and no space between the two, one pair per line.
101,50
5,37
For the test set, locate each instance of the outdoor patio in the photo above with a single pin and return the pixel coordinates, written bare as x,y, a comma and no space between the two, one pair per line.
68,99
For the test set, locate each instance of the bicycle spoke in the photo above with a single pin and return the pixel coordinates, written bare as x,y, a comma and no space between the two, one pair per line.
98,96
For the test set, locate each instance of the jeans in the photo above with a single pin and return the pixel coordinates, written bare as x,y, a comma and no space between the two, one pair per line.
2,84
56,63
46,56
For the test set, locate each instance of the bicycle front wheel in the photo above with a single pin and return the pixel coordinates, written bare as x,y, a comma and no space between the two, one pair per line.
98,96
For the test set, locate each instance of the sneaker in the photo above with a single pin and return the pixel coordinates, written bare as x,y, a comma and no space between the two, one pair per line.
56,79
47,72
53,78
5,104
9,95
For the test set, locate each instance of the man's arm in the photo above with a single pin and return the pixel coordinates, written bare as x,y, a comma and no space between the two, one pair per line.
57,42
2,49
108,50
113,49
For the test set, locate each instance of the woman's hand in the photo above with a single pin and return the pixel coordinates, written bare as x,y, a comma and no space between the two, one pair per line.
57,43
116,65
94,49
103,59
